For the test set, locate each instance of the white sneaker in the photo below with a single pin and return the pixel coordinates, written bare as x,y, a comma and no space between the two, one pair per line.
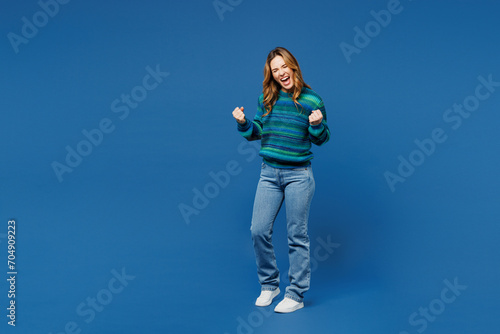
288,305
266,297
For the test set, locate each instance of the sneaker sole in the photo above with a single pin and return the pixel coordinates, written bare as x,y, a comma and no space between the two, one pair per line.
290,310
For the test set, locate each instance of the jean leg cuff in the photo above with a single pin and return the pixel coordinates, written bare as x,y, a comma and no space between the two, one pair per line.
293,297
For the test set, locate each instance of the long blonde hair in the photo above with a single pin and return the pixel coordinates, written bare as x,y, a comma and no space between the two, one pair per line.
271,88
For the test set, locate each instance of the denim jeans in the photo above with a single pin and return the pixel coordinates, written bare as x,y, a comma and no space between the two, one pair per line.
296,188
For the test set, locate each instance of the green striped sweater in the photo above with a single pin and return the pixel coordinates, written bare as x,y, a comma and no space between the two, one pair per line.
285,133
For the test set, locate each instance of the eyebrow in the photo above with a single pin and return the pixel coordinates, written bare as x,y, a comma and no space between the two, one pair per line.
274,69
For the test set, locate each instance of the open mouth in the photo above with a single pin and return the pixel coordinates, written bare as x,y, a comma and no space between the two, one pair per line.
285,81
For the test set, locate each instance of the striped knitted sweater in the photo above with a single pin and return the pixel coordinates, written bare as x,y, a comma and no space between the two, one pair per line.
285,133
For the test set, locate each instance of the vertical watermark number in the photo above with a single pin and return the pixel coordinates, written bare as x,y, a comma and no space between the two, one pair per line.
12,271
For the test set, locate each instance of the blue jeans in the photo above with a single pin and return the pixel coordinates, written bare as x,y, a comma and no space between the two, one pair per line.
295,187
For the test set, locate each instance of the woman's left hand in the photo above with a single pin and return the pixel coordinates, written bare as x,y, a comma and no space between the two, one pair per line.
316,117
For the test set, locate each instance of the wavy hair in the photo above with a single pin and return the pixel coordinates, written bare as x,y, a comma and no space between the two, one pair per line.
271,87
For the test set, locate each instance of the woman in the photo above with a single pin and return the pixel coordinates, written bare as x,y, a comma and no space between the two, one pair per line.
290,116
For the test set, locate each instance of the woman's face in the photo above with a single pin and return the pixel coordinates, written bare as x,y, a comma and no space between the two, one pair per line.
282,73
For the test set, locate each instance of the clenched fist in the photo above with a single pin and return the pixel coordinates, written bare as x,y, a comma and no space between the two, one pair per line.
239,115
316,117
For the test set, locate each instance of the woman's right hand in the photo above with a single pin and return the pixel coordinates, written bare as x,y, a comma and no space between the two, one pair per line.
238,115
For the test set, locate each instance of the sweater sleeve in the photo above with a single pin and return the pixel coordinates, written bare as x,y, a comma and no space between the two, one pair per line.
252,130
320,134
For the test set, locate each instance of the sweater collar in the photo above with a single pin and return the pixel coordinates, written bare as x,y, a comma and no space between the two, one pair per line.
290,95
284,94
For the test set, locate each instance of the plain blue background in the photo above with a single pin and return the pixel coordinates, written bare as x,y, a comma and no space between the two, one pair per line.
119,208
